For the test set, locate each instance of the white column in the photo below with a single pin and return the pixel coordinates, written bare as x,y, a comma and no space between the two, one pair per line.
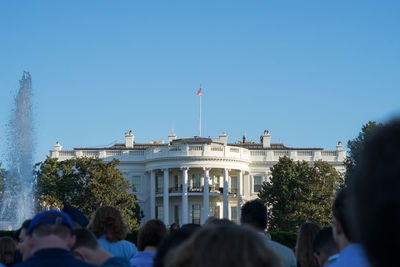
165,197
185,211
152,194
225,198
240,194
206,195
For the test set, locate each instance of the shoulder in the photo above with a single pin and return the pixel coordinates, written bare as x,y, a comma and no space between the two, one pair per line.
117,262
283,252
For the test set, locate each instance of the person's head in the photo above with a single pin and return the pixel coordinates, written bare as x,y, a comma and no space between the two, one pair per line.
342,233
172,241
220,222
87,248
254,213
151,234
79,220
376,189
324,246
173,227
50,229
22,245
222,246
7,249
304,249
108,221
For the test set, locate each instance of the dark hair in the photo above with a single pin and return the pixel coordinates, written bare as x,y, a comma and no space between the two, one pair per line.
172,241
324,243
24,225
85,238
241,246
7,249
254,213
151,234
376,189
108,221
340,210
220,222
304,249
45,229
173,227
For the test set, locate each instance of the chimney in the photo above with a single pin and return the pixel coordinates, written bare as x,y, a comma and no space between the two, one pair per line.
57,146
339,146
266,139
129,139
171,137
223,138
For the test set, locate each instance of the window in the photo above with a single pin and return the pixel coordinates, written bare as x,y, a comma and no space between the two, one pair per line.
196,213
214,211
176,183
215,183
234,184
196,181
176,214
159,212
257,183
159,184
136,184
234,214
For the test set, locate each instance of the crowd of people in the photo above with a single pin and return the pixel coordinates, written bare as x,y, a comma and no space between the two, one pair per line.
363,230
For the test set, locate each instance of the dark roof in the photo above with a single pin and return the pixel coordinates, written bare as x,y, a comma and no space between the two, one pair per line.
257,146
136,146
196,140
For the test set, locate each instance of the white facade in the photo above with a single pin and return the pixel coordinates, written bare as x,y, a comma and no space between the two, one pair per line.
187,180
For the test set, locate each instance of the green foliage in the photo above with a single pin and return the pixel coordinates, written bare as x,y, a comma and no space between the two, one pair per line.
356,145
285,238
297,193
87,184
2,180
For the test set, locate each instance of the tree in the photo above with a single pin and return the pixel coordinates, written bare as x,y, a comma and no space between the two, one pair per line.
297,193
2,181
87,184
356,145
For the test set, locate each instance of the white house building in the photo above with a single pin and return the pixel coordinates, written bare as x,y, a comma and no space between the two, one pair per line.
186,180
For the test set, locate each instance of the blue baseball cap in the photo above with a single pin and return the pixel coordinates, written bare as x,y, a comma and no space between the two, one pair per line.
62,218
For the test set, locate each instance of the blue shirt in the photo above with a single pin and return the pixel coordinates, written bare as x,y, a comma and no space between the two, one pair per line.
116,262
352,256
123,248
143,259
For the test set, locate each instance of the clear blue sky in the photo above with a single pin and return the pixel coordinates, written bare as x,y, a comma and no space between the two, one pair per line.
312,72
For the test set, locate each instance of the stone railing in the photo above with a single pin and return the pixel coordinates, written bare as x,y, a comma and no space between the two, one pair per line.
159,152
300,155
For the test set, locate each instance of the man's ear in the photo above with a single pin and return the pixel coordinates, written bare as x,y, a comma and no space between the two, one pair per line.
71,241
29,241
337,227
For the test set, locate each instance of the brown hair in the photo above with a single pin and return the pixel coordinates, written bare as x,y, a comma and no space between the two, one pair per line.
224,245
151,234
108,221
304,249
7,249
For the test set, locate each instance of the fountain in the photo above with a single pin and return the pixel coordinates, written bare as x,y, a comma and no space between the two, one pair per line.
18,198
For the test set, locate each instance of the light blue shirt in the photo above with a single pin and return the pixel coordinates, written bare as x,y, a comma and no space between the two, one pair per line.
143,259
352,256
123,248
285,254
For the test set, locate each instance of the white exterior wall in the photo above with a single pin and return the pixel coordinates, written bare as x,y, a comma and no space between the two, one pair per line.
196,158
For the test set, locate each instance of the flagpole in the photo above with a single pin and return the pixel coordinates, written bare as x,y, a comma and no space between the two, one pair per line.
200,114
